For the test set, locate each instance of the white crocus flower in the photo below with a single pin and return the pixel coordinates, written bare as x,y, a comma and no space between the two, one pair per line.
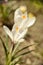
22,23
26,21
21,17
17,34
20,14
19,30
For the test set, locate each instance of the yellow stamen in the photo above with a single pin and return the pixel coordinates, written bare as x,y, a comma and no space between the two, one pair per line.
17,28
24,17
23,9
31,15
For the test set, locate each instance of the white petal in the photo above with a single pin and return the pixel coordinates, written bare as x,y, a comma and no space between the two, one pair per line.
21,40
9,33
17,33
23,8
18,19
17,16
14,31
13,28
21,35
22,24
31,21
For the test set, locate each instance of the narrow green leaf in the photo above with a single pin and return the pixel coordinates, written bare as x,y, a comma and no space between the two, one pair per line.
24,48
25,53
21,56
16,46
21,50
5,49
7,42
15,60
13,47
10,54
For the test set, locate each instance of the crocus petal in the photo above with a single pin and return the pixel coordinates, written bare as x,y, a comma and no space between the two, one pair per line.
18,15
31,21
15,29
23,8
19,34
21,40
8,32
17,19
19,27
22,34
22,24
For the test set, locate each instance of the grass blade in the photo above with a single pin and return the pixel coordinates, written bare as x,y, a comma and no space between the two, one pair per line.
24,53
21,50
15,60
21,54
24,48
7,41
16,46
5,49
